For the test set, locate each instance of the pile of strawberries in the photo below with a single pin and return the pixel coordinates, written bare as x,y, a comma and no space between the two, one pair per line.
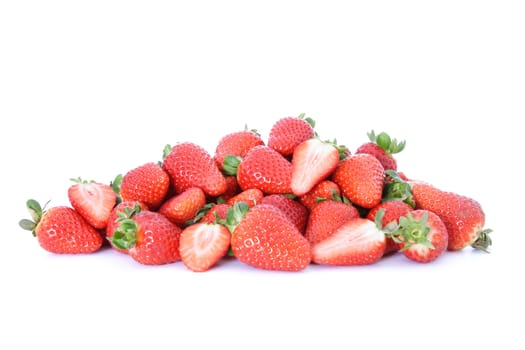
280,205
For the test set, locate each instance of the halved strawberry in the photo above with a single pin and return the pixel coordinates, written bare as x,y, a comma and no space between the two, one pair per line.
93,200
202,245
358,242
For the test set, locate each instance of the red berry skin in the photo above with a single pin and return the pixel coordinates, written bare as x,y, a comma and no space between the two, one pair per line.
266,239
236,144
437,235
325,190
190,165
294,211
113,223
221,210
147,183
361,178
251,197
326,217
157,241
184,206
393,210
463,216
386,160
289,132
265,169
62,230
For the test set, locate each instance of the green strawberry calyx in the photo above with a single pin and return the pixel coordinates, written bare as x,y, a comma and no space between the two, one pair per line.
410,231
125,236
231,164
397,189
388,144
483,242
36,211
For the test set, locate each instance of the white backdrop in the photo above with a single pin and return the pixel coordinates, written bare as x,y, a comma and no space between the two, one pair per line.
96,88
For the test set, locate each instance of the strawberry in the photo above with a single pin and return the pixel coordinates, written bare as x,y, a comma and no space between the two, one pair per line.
313,161
463,216
293,210
325,190
326,217
94,201
183,207
361,179
392,211
216,211
382,147
232,188
149,237
190,165
251,197
236,144
266,239
147,183
289,132
357,242
203,244
123,208
262,168
422,235
61,230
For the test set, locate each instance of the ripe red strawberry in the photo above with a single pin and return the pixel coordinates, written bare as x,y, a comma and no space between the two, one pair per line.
123,208
202,245
266,239
289,132
190,165
325,190
392,211
232,188
463,216
294,211
313,161
147,183
251,197
149,237
61,230
265,169
218,210
184,206
382,147
236,144
326,217
94,201
422,235
357,242
361,179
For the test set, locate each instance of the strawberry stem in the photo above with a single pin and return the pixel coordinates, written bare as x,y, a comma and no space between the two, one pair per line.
383,140
35,211
397,189
483,242
125,236
231,164
411,231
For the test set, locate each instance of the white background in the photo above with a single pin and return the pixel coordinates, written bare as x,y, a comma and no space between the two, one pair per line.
96,88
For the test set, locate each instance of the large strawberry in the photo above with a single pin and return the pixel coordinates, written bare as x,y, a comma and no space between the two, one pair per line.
357,242
147,183
61,230
190,165
463,216
266,239
236,144
149,237
294,211
183,207
392,211
93,200
313,161
382,147
361,178
289,132
326,217
422,236
262,168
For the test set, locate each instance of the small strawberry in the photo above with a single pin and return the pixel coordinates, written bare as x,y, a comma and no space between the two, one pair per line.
357,242
149,237
422,235
251,197
262,168
326,217
382,147
232,188
147,183
463,216
361,178
325,190
313,161
392,211
236,144
266,239
190,165
289,132
61,230
216,212
183,207
94,201
123,208
203,244
294,211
